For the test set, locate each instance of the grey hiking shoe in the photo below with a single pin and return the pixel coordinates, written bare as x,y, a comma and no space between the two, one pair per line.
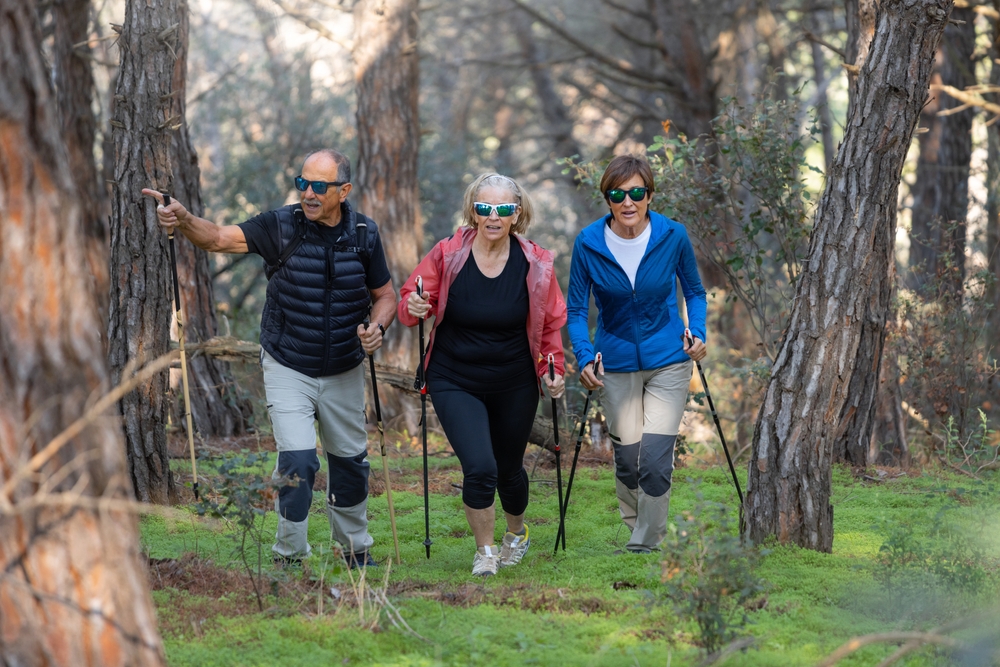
486,561
513,548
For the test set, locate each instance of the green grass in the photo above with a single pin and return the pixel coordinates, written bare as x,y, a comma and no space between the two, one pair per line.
585,606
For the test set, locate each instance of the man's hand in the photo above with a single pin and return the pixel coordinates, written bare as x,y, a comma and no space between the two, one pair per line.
588,376
556,387
371,338
171,216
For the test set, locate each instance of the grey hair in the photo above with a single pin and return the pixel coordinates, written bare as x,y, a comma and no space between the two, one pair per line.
341,160
526,211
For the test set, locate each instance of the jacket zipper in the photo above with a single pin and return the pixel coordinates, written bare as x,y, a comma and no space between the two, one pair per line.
326,312
635,328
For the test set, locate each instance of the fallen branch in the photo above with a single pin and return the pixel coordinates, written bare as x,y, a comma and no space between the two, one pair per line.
856,643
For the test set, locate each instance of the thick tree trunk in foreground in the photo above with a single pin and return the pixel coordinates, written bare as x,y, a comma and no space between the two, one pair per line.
141,295
844,287
72,589
216,406
386,73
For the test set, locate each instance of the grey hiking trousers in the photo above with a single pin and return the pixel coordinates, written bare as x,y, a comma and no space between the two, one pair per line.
644,411
295,403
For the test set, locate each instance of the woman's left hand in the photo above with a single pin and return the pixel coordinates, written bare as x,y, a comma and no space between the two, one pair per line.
556,387
696,350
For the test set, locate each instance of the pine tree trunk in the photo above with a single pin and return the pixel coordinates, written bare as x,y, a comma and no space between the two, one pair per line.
73,591
993,185
941,201
141,294
74,82
216,405
387,75
860,29
844,287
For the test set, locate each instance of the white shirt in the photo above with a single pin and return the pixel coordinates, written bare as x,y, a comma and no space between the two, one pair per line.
628,252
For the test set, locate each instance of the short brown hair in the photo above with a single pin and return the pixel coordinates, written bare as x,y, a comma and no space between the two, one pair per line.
622,168
493,180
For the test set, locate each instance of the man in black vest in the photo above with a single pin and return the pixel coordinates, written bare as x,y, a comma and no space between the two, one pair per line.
325,265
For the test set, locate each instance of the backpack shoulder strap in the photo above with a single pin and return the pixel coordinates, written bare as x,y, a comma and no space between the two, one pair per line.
293,244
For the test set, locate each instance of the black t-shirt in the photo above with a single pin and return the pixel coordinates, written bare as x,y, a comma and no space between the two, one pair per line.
482,342
264,239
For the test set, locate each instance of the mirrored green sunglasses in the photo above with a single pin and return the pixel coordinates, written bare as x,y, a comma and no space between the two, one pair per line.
486,210
617,195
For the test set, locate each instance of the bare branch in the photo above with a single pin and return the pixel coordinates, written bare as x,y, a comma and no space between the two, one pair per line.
822,42
642,43
617,6
969,99
312,23
856,643
620,64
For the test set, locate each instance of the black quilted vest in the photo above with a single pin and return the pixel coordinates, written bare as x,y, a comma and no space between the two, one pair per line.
317,298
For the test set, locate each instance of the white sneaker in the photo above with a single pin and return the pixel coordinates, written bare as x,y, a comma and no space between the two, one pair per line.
486,561
513,548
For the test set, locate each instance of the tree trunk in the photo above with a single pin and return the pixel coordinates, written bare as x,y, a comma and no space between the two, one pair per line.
141,295
822,102
860,29
937,241
386,75
993,185
216,406
74,83
73,590
844,288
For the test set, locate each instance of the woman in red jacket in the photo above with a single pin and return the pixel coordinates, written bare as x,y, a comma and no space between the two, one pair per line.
497,311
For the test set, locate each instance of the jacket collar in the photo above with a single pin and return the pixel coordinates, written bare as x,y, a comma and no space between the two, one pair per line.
592,235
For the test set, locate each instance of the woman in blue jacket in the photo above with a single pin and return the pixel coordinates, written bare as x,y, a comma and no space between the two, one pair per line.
630,260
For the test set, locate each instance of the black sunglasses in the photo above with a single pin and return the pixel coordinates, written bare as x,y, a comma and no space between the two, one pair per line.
617,195
319,187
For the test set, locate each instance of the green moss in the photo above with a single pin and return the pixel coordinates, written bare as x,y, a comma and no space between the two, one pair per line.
584,606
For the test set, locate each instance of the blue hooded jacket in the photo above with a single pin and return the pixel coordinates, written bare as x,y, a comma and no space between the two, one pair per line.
638,329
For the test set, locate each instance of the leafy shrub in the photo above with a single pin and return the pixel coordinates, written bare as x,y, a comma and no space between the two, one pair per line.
707,572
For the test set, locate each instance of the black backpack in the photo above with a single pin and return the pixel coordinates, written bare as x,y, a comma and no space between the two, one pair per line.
360,230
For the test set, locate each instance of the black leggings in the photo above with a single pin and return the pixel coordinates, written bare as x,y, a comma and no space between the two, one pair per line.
489,433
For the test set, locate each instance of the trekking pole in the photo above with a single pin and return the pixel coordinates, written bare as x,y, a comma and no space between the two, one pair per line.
555,438
718,426
385,460
422,386
180,340
572,470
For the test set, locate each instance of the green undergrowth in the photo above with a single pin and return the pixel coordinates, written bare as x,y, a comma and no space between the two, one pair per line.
586,606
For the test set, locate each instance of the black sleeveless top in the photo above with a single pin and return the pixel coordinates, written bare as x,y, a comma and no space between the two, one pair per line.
482,342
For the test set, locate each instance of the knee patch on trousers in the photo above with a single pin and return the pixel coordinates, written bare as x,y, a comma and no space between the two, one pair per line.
348,479
627,464
657,466
294,501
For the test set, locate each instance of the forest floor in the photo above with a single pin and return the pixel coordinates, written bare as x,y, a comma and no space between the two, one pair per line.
912,551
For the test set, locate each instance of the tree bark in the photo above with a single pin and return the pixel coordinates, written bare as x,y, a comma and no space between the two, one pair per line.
74,83
860,29
141,295
844,289
73,591
937,236
216,406
386,75
993,185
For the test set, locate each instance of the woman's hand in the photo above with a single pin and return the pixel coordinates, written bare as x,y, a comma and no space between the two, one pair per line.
694,348
556,387
418,306
588,376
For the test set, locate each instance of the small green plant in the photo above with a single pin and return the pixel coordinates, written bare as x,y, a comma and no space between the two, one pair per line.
707,572
949,557
241,495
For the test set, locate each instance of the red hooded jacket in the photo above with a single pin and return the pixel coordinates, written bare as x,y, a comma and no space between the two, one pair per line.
546,306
